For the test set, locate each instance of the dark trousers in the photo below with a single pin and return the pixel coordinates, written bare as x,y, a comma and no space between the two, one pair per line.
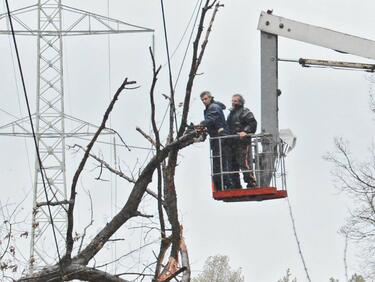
220,164
241,158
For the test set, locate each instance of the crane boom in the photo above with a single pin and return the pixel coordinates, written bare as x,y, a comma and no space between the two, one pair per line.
271,27
316,35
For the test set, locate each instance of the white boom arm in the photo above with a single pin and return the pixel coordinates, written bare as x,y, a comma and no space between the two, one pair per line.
271,27
316,35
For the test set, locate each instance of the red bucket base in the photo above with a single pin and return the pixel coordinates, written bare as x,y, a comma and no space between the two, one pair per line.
253,194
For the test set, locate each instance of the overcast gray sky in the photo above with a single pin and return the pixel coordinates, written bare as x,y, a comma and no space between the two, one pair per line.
316,104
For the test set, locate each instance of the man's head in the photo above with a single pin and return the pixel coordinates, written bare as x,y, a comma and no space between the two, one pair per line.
206,97
237,101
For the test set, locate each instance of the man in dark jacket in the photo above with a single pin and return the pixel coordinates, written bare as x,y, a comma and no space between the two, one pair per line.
214,121
241,122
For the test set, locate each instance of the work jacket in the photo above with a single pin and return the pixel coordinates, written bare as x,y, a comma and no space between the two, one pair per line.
241,119
214,119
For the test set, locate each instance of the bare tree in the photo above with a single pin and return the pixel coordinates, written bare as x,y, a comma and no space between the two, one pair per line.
217,268
357,278
287,277
357,180
11,235
78,262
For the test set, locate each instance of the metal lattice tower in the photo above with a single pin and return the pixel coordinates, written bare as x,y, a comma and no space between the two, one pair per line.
55,21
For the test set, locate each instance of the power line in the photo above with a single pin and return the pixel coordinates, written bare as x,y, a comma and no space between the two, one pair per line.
187,46
19,103
8,113
297,240
121,145
173,108
185,31
32,129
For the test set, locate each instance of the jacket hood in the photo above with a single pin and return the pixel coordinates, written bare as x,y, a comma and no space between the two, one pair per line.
220,104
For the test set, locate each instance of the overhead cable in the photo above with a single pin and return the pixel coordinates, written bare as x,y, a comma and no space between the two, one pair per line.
8,113
186,29
173,108
186,50
297,240
187,46
19,102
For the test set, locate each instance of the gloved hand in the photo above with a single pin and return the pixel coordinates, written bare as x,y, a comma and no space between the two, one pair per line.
200,129
221,132
200,138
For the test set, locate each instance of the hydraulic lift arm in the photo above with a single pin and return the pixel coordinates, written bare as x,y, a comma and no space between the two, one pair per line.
272,26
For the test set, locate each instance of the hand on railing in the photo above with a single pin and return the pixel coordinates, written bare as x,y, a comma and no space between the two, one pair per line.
243,135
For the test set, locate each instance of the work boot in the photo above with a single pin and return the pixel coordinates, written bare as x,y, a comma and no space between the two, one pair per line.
235,186
230,185
251,184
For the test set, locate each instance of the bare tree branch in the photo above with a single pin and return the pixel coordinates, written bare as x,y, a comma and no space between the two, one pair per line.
89,224
196,60
108,166
118,172
119,136
145,135
50,203
185,260
356,180
8,237
164,246
127,254
152,100
130,208
73,271
170,193
175,274
164,162
69,235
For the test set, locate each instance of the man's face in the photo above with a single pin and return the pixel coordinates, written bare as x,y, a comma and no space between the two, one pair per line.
206,100
236,102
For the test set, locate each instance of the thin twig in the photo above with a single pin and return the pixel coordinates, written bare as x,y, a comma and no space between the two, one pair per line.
118,172
119,136
8,237
89,224
108,166
50,203
145,135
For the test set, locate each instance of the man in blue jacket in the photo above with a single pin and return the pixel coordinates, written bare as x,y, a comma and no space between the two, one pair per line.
214,121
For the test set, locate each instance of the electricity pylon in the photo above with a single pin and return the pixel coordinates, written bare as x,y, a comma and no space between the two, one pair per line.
55,21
